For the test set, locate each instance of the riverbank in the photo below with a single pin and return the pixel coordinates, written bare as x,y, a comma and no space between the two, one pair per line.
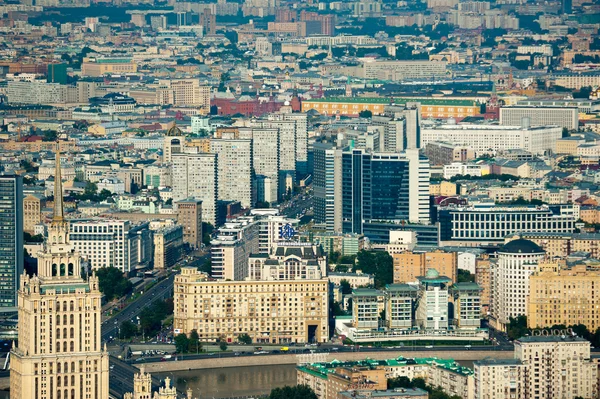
264,360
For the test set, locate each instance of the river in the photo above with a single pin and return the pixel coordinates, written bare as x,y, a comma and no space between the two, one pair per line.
238,381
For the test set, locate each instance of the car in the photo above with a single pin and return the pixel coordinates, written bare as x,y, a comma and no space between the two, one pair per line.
237,353
468,346
429,347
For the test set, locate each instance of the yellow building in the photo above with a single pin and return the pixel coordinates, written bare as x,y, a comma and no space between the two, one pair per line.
102,66
430,107
59,352
268,311
409,265
568,145
564,296
443,188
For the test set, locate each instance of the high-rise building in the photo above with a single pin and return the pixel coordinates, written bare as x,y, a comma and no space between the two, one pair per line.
11,250
231,249
517,260
409,265
383,187
327,186
289,261
195,175
432,311
287,150
208,20
301,129
265,156
226,309
189,215
235,170
59,352
168,246
174,144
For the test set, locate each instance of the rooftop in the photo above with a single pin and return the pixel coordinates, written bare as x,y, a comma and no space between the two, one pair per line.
551,338
521,246
392,100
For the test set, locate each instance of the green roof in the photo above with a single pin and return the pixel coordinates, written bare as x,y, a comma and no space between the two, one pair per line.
366,292
395,100
467,286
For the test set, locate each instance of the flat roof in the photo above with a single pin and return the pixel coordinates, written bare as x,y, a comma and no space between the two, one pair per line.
393,100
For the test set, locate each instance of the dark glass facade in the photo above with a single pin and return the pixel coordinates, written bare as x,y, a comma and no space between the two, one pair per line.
375,187
11,239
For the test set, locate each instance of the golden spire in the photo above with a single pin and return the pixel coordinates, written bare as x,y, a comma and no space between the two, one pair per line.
59,213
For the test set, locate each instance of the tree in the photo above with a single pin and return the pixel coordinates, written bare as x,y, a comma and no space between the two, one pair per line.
245,339
50,135
295,392
399,382
365,113
127,330
465,277
517,327
151,318
29,238
112,283
181,343
380,264
194,344
565,132
346,288
223,346
207,230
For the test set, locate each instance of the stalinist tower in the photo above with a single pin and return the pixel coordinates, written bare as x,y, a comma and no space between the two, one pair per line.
59,353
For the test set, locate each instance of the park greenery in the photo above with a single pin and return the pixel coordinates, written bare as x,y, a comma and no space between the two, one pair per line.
185,344
151,318
112,283
295,392
379,264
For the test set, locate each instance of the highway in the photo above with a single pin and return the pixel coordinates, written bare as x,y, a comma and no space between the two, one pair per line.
161,291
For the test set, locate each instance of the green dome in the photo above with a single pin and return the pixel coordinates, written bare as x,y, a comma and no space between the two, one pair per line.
432,273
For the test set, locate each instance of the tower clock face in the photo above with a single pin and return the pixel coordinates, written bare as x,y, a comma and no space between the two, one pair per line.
287,232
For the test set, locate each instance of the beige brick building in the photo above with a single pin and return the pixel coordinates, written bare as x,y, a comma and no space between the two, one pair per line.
32,212
409,265
189,215
269,311
483,274
564,296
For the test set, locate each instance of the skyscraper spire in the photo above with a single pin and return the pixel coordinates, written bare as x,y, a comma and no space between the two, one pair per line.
59,213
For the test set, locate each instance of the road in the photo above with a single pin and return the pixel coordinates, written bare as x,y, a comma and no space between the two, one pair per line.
161,291
245,350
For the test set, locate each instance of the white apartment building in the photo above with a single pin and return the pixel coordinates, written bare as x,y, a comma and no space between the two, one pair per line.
287,148
540,116
491,138
235,170
432,311
158,176
577,81
517,260
544,49
499,379
112,243
232,248
195,175
271,230
265,156
462,169
558,367
403,69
